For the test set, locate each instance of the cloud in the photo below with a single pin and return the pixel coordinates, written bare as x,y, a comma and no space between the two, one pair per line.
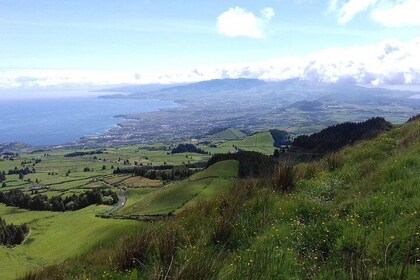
390,13
404,13
238,22
353,7
268,13
32,78
391,62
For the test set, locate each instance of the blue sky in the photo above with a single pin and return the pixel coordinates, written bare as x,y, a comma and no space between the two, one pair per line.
145,36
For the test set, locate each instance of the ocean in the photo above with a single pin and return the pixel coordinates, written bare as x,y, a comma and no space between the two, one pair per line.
54,121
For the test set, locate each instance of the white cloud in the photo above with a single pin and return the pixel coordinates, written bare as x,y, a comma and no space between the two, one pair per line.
390,13
332,6
353,7
389,63
268,13
238,22
405,13
28,78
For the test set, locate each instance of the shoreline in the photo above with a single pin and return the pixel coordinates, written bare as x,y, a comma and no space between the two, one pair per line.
119,120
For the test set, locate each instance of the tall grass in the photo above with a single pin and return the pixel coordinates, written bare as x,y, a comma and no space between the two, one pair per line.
327,221
284,177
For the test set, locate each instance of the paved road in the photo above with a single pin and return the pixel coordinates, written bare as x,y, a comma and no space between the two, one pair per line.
121,202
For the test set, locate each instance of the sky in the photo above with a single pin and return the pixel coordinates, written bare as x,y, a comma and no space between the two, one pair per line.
46,43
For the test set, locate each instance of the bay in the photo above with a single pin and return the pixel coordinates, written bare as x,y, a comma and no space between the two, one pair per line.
54,121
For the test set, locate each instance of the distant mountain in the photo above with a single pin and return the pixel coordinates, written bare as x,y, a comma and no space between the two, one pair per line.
211,87
15,147
305,105
293,88
138,88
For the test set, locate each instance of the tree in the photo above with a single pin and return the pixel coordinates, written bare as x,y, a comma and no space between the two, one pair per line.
103,167
2,176
276,153
21,176
19,236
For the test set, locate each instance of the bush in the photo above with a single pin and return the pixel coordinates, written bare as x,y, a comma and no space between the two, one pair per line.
284,177
134,251
11,235
334,161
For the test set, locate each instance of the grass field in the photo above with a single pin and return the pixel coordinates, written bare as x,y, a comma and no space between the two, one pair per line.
351,215
261,142
140,182
229,134
173,197
60,175
55,237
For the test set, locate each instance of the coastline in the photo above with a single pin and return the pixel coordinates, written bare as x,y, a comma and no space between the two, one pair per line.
94,119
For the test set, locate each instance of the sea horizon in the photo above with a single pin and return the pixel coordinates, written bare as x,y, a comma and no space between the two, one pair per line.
54,120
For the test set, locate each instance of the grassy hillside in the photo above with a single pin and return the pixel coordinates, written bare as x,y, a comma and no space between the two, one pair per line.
65,175
351,215
173,197
229,134
55,237
261,142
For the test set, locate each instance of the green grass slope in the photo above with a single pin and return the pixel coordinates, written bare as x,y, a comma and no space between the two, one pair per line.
229,134
55,237
173,197
261,142
351,215
226,169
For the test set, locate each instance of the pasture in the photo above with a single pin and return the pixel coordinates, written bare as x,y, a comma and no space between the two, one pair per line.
173,197
55,237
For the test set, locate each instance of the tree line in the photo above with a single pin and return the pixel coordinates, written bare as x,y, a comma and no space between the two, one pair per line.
337,136
24,171
188,148
414,118
251,164
40,202
11,235
162,172
281,138
2,176
79,154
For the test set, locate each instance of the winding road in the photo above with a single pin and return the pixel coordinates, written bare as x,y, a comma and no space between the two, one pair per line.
122,200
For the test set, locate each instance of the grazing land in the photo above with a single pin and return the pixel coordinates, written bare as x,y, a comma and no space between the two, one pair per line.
352,215
56,237
315,215
260,142
199,187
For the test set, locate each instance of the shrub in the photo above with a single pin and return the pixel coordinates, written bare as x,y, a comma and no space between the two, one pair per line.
284,177
334,161
134,251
